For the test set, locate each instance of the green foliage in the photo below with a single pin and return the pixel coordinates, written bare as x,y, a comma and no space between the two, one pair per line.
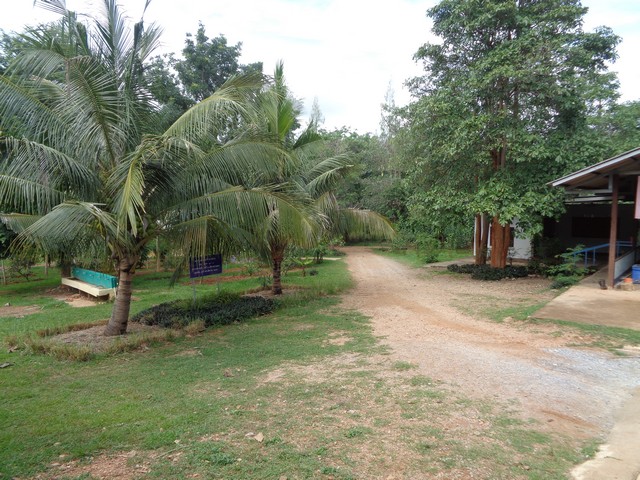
570,270
208,63
374,182
6,237
88,171
618,127
427,248
562,281
485,272
504,107
571,264
20,266
402,241
219,309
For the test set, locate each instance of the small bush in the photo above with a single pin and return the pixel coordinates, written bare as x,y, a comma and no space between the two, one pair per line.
562,281
427,248
537,267
518,271
219,309
485,272
464,268
401,242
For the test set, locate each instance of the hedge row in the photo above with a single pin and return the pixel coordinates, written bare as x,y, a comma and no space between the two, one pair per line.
219,309
485,272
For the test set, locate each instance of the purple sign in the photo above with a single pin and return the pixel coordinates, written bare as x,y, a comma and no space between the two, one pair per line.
201,267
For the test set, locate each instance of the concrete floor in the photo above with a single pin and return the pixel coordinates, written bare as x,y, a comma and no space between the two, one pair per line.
588,303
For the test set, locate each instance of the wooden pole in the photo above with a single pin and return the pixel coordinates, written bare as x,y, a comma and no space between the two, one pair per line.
157,255
613,233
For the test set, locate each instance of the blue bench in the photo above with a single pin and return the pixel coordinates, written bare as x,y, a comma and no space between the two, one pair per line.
94,283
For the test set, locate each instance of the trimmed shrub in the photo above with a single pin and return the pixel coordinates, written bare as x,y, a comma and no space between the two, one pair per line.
517,271
467,268
562,281
485,272
220,309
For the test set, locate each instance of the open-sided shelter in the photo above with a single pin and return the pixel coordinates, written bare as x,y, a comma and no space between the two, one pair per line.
612,182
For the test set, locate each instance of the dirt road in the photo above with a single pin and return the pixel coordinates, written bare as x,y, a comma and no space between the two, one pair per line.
532,368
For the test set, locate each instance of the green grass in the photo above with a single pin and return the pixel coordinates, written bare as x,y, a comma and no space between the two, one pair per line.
186,407
410,257
610,338
523,311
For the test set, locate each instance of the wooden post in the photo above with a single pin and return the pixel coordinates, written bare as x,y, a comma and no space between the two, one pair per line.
157,255
613,233
477,245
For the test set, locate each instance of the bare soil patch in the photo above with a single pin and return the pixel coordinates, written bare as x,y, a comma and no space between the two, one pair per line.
95,339
18,311
434,322
120,466
427,320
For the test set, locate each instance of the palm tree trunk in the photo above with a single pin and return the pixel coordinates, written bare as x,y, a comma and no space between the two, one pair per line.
120,314
277,255
65,266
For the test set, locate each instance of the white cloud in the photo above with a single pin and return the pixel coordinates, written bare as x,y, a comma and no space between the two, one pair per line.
342,52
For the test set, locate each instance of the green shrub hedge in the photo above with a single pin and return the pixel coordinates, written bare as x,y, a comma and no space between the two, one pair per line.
562,281
485,272
219,309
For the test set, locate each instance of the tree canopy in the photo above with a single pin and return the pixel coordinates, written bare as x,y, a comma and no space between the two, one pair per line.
504,105
85,167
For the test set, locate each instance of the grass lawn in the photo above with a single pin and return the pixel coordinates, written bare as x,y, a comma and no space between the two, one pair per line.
306,392
410,256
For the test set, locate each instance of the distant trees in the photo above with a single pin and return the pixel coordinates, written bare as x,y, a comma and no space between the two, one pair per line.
505,97
205,65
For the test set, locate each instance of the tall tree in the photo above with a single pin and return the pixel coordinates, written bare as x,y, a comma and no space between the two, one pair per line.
505,92
85,167
208,63
305,174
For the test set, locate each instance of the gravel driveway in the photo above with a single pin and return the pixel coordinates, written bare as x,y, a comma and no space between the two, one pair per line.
421,316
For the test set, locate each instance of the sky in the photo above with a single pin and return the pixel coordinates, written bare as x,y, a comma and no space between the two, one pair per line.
347,54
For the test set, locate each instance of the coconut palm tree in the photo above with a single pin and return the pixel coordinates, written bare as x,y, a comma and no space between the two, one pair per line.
85,167
306,176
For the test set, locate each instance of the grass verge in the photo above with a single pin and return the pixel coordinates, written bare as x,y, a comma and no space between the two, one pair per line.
410,256
306,392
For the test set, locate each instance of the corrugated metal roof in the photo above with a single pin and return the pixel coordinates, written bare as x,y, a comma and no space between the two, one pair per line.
596,177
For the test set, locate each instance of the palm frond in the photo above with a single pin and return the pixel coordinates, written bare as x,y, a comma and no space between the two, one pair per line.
17,222
27,196
22,112
230,101
70,226
126,186
40,163
326,175
362,225
55,6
